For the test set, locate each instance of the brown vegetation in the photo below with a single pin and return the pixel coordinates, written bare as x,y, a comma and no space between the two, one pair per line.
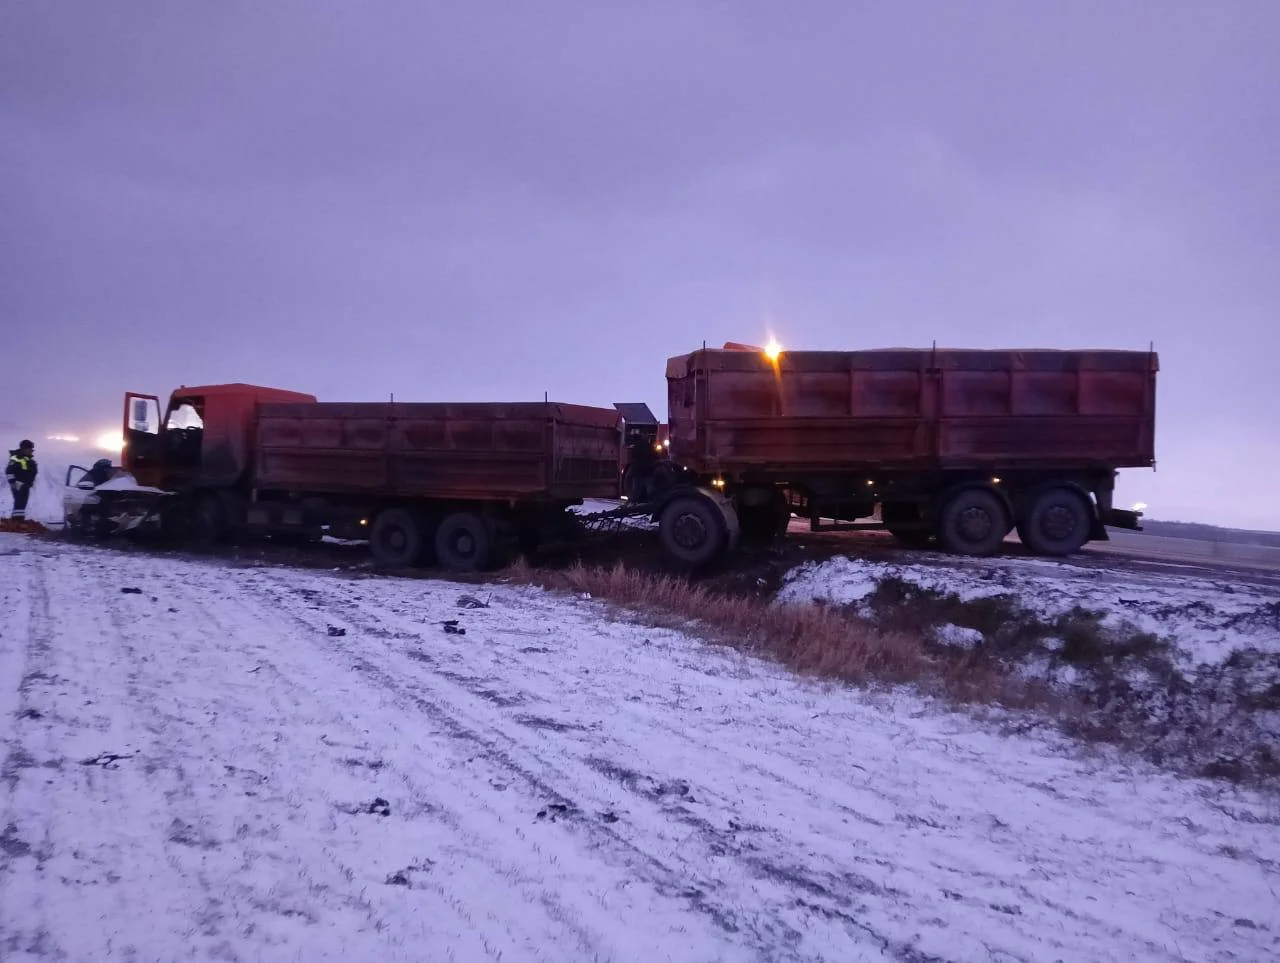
808,638
1188,724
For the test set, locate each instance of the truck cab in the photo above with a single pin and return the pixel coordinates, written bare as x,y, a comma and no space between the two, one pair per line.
201,439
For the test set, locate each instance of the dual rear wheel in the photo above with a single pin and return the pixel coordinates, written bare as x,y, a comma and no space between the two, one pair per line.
1054,521
460,542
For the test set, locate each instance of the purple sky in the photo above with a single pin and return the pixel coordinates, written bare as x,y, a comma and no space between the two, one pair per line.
459,201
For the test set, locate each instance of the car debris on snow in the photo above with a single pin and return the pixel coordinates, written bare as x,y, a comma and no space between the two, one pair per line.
107,760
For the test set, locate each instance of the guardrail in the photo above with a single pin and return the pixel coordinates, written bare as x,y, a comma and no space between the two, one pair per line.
1193,548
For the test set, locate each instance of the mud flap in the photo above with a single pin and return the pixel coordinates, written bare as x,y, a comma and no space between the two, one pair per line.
732,525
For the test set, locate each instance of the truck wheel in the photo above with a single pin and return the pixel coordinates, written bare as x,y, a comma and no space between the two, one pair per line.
973,522
464,543
396,539
1058,523
693,530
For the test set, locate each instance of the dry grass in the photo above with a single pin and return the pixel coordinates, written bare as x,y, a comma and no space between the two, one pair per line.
1189,725
808,638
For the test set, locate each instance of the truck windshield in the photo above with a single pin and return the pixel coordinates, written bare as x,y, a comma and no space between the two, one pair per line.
184,416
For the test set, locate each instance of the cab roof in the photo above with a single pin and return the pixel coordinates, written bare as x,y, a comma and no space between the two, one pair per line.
257,392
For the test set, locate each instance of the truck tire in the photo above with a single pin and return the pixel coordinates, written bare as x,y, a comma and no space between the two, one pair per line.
693,530
464,543
974,522
1058,522
396,539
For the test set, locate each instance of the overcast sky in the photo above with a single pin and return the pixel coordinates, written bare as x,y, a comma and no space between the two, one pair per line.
483,201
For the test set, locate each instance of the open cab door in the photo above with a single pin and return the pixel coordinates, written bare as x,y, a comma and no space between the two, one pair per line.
143,455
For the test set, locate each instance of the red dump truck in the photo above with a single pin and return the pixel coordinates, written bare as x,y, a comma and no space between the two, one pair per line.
958,446
451,483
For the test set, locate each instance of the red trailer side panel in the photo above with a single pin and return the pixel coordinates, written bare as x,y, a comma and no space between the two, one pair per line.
737,411
478,452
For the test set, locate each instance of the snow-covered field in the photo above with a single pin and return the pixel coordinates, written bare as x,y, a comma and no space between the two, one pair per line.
205,762
1205,619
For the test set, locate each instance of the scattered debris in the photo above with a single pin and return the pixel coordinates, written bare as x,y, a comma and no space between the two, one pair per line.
30,714
130,590
336,632
451,627
555,811
379,807
107,760
609,817
374,764
471,602
183,833
10,843
406,876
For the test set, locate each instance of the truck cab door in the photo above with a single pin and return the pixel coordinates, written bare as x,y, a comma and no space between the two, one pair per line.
143,438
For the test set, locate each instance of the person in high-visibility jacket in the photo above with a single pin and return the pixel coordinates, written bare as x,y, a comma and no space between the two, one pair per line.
20,473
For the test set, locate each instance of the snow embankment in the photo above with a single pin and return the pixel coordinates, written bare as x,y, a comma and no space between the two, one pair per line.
276,764
1204,620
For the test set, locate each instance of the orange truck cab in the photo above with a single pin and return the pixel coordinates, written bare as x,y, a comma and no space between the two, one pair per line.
203,438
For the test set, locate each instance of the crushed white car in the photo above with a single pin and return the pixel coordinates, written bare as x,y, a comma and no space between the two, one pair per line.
119,504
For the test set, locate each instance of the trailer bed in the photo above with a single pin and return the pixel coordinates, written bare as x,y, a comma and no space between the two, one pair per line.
516,452
932,409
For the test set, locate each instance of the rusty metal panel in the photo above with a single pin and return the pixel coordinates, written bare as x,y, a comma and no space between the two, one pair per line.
739,411
463,451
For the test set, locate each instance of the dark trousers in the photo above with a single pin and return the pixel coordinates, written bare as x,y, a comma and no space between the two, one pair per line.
20,498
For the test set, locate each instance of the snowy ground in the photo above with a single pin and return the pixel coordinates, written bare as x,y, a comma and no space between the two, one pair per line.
1206,619
269,764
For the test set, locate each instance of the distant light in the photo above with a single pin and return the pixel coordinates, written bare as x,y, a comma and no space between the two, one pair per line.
995,481
364,521
772,350
718,483
109,441
68,438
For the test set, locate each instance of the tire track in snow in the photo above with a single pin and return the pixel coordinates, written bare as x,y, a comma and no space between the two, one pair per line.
21,837
992,895
835,894
480,792
196,832
789,899
281,674
282,882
